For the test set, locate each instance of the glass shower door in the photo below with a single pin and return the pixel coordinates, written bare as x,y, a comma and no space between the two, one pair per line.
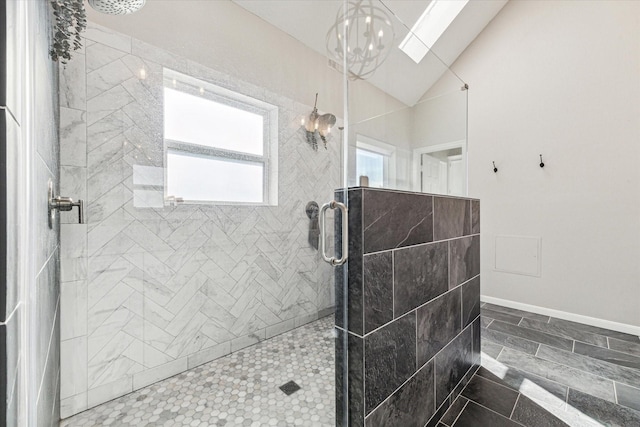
202,284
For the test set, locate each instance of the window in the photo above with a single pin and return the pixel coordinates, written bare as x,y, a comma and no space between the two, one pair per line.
220,146
375,160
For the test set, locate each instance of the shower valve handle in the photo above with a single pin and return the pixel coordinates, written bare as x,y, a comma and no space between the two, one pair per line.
63,204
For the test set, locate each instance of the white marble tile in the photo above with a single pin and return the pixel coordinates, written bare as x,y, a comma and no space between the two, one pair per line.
73,183
73,309
247,340
107,77
73,269
106,129
72,405
106,392
73,240
110,303
99,55
111,362
73,137
158,373
209,354
73,367
108,37
73,83
106,103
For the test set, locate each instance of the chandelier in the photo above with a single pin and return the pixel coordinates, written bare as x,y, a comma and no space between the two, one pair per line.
369,38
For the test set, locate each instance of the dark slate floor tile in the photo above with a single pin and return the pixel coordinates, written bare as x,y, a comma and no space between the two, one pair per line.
587,364
510,341
509,318
438,324
420,275
390,359
454,410
531,335
475,415
517,313
402,408
628,396
530,414
470,301
611,356
475,216
559,373
485,321
491,395
464,260
378,290
526,383
490,349
595,330
624,346
562,331
452,364
393,220
600,410
451,218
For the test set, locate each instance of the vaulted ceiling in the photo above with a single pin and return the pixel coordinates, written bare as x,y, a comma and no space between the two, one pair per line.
309,21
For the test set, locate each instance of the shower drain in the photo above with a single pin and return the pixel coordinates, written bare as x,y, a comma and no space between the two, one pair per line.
289,388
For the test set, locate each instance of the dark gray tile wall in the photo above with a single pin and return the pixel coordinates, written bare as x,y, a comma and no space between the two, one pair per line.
413,306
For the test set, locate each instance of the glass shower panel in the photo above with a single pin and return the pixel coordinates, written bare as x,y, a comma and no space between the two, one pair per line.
202,216
414,120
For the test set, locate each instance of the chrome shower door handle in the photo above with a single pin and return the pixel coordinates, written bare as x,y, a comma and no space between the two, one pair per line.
345,232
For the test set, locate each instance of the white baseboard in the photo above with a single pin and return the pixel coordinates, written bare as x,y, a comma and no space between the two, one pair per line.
600,323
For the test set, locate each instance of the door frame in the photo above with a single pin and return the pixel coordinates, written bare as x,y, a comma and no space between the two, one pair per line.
428,149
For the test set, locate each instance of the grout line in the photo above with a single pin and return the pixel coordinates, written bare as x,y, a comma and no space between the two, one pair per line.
419,244
418,370
514,406
415,309
499,414
393,285
499,353
615,393
573,348
608,343
461,411
566,400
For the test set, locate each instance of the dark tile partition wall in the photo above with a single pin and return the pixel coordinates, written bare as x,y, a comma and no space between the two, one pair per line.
413,297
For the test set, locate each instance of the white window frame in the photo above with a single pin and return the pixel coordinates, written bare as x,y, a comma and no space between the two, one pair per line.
388,152
269,158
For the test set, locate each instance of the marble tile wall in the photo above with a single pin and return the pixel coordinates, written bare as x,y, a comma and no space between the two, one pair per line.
151,292
42,281
413,297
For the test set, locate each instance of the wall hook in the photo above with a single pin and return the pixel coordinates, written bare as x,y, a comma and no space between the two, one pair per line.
541,162
495,169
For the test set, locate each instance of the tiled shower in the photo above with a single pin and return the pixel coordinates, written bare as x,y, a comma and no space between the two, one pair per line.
151,290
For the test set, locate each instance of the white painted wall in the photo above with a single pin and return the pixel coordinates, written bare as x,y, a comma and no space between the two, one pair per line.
560,78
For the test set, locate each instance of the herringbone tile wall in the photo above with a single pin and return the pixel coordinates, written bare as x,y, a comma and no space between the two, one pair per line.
150,292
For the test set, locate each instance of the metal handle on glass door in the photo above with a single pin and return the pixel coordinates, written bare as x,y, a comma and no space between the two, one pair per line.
345,232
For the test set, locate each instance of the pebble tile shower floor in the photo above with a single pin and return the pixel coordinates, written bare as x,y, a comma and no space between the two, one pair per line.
241,389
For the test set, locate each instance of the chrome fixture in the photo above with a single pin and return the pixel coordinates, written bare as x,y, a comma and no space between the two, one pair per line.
317,124
117,7
63,204
312,210
345,232
366,33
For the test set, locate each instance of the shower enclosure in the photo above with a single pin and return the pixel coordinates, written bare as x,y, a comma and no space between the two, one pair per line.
185,129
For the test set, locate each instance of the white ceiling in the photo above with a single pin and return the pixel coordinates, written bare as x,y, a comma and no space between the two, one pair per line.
309,20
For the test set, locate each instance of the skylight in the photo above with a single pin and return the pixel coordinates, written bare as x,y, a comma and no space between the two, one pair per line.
430,26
